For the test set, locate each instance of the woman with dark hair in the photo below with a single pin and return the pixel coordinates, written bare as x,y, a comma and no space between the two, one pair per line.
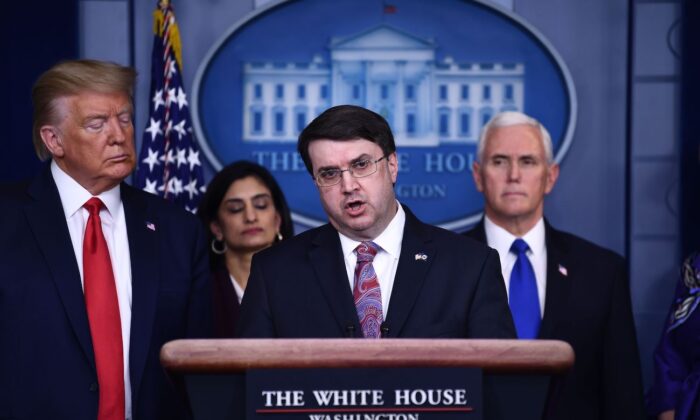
244,212
675,393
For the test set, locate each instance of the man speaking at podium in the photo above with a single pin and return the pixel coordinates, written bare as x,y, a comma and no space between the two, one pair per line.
375,270
95,276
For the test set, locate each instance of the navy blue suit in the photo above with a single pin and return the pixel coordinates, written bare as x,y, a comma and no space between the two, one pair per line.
225,306
587,304
299,288
47,367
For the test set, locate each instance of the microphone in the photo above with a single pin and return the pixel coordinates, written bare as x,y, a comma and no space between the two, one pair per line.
350,330
384,329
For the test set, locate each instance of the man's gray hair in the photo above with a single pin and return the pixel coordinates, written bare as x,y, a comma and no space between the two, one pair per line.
509,118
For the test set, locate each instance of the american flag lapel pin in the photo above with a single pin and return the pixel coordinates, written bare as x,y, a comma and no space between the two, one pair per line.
151,226
564,272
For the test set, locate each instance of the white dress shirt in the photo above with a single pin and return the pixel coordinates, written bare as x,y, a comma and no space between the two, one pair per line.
73,197
501,240
237,288
387,259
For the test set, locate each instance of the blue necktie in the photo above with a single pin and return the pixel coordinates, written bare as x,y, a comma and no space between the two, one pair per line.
523,300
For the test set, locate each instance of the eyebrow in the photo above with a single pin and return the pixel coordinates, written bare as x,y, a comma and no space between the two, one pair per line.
104,116
363,156
91,117
255,197
529,156
504,156
499,156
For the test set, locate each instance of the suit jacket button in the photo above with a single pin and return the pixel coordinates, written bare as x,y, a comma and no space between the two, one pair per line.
93,387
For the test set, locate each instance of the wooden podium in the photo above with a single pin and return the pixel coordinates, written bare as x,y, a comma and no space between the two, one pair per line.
516,372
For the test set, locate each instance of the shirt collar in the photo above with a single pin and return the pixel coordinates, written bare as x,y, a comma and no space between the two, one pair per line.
501,240
73,195
237,288
389,240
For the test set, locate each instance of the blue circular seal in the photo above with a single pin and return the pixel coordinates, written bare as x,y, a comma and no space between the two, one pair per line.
436,71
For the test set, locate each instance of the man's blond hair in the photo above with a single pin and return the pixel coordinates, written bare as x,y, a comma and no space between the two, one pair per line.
70,78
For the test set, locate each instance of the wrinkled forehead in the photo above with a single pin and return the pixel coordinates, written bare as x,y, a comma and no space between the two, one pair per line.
88,102
514,140
340,153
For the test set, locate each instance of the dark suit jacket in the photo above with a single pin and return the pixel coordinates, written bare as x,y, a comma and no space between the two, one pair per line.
225,304
300,289
47,367
587,304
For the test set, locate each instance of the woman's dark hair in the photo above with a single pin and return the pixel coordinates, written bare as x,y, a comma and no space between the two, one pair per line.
216,190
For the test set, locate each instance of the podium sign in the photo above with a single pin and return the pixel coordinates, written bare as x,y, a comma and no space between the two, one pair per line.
364,394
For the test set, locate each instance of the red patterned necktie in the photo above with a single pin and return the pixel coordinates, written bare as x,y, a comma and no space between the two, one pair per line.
368,296
103,314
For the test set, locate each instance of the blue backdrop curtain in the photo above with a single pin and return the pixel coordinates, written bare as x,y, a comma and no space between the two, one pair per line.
33,37
690,128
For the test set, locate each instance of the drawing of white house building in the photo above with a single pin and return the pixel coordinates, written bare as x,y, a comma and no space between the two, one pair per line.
393,73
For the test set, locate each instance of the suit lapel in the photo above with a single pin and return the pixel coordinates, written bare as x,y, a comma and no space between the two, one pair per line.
328,263
478,232
143,251
410,273
558,284
48,224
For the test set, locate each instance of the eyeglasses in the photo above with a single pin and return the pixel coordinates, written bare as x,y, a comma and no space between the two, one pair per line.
358,169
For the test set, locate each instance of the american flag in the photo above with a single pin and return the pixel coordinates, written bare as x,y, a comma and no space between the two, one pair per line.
169,164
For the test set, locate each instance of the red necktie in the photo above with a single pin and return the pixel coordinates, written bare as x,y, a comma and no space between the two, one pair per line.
103,313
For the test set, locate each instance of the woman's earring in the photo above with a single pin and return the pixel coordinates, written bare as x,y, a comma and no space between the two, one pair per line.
218,247
279,237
